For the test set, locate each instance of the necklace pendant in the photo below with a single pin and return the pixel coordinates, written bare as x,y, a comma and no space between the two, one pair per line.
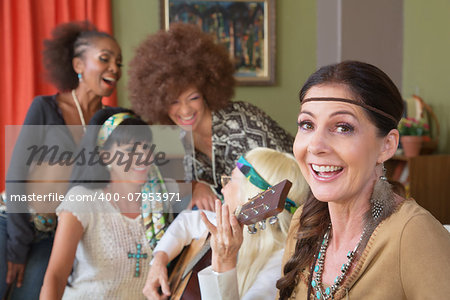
138,256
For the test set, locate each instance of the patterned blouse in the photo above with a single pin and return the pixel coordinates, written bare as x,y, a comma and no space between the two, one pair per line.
236,129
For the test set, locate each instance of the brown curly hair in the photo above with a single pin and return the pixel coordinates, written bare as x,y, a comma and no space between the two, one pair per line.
169,62
68,40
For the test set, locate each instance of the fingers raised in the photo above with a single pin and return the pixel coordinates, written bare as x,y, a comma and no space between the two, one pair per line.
211,228
236,227
225,228
218,213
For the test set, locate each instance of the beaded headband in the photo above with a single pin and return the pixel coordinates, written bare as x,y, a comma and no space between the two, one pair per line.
250,173
110,124
362,104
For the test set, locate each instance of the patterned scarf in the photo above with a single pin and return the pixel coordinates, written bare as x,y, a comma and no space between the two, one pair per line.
110,124
156,213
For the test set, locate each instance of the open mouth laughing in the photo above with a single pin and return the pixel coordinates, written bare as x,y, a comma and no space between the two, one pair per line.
326,172
110,81
187,120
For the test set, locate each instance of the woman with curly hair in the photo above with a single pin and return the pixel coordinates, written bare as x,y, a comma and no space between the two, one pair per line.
84,64
181,77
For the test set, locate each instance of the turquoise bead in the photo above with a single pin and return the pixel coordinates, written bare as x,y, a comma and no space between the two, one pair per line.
50,221
328,291
317,295
320,254
137,255
313,283
316,269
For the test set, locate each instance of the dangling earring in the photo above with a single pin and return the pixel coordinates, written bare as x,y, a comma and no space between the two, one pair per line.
383,175
80,77
382,197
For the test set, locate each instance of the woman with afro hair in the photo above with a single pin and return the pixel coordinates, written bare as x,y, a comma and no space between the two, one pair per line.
84,64
181,77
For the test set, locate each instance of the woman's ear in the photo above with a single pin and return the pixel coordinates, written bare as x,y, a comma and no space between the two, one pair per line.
390,144
78,65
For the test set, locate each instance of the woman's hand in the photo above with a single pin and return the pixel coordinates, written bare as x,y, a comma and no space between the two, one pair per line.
15,271
226,238
157,278
203,197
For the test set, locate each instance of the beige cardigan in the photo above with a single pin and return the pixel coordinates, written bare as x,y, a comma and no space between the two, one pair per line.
407,257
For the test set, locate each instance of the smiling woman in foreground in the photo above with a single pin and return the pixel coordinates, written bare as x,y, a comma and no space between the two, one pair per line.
354,237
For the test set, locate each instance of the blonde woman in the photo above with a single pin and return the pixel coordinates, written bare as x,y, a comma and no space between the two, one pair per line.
260,253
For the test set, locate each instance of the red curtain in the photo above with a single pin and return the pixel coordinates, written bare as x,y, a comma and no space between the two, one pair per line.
24,24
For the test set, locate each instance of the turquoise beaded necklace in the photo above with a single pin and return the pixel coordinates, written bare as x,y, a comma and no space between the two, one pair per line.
139,255
316,282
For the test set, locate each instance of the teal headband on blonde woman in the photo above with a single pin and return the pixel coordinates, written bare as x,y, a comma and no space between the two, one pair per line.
250,173
110,124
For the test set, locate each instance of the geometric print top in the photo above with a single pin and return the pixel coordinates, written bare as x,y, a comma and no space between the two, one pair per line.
236,129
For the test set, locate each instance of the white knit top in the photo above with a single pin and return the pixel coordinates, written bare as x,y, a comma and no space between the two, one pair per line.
102,269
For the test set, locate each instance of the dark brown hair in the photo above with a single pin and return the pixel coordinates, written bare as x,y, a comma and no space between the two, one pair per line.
373,87
169,62
68,40
368,84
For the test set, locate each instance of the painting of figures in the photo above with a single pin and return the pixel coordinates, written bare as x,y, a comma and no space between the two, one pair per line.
243,27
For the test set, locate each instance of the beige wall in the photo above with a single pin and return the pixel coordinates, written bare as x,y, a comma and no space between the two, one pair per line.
426,63
426,48
364,30
295,57
132,21
372,31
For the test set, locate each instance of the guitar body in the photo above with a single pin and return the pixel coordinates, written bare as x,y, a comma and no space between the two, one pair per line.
268,203
188,288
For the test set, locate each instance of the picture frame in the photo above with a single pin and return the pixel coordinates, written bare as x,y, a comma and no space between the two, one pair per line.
245,27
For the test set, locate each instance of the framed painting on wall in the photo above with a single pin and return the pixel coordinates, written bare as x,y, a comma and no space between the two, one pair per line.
245,27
